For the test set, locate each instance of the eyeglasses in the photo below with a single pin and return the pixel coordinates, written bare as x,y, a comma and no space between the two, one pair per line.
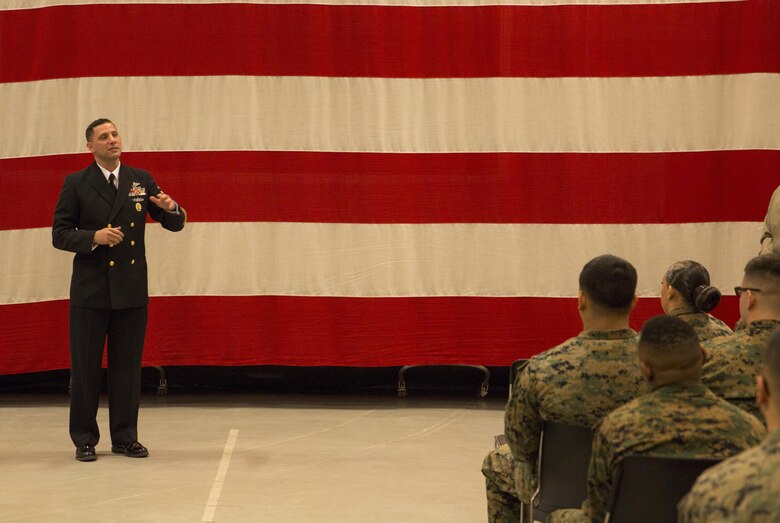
740,290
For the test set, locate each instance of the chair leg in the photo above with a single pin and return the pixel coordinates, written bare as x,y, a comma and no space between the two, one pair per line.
526,513
162,388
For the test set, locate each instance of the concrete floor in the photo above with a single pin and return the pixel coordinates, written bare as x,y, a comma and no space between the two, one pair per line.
254,457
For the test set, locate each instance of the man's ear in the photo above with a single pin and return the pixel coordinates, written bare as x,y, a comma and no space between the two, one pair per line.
762,392
751,303
582,301
647,372
633,302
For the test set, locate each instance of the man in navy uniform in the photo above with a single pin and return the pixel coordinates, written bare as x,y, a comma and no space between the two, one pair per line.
101,216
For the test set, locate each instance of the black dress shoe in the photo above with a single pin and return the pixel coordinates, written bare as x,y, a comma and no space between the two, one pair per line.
86,453
131,450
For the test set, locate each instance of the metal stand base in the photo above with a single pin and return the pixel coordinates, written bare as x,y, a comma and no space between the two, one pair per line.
162,388
402,392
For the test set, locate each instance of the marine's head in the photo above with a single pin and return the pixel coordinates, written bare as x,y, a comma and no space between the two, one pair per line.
669,352
687,283
759,293
607,288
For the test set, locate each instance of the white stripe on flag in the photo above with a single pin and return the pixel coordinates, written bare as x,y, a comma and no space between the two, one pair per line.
387,260
647,114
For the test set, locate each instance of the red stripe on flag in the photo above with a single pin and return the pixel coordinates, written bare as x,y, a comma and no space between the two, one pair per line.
363,332
426,188
391,41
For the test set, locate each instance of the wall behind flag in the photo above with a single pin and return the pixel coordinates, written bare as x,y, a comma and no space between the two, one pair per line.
383,184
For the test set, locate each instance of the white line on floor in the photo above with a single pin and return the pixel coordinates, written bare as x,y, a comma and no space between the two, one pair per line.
219,480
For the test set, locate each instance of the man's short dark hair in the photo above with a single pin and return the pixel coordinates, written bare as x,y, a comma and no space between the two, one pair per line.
770,362
91,127
609,281
669,343
764,266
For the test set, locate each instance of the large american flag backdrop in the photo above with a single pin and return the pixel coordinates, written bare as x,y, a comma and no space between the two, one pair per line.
384,182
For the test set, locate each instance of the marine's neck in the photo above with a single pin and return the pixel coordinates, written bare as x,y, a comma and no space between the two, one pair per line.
605,323
772,419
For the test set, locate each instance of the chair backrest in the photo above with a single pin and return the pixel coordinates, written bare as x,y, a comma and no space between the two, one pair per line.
648,488
562,467
516,367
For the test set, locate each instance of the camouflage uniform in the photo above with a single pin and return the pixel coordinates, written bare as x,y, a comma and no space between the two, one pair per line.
741,489
732,362
577,383
770,242
685,420
498,469
706,325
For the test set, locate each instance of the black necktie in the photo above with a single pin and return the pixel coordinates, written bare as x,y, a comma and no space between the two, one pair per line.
112,181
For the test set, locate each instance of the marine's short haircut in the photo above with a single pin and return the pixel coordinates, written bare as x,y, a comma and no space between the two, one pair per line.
766,266
692,280
91,127
770,362
669,343
609,281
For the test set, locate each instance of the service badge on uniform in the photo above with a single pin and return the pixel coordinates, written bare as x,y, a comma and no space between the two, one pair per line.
137,190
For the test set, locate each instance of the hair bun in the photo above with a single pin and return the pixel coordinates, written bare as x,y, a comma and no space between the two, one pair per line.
706,297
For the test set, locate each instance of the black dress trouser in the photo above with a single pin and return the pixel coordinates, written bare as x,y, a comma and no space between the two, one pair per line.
125,330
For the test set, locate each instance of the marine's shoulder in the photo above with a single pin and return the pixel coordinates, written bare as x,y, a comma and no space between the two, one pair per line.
587,341
562,350
738,467
717,321
662,400
627,413
737,484
730,341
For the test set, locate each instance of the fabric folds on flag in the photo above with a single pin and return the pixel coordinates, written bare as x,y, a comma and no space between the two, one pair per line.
383,183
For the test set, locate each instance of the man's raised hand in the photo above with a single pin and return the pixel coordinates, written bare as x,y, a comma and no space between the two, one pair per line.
163,201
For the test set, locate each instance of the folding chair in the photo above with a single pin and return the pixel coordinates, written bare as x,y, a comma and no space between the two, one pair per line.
647,488
562,468
516,367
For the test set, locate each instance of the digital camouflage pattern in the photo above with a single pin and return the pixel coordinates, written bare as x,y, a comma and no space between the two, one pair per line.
498,468
745,488
577,383
732,364
688,421
705,325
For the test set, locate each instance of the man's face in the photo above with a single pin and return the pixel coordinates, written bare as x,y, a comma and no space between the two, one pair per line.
105,143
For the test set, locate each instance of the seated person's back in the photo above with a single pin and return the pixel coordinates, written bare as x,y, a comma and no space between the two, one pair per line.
731,364
576,383
745,488
679,417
